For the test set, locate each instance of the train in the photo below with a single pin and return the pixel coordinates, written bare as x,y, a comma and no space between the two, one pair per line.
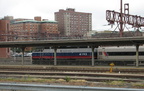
71,56
124,55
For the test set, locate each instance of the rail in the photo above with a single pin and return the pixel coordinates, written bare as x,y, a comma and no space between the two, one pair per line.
38,87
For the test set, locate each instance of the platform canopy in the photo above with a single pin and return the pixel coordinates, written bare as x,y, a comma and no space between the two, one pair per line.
121,41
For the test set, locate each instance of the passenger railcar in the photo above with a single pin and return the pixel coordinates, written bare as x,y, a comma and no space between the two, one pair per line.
125,55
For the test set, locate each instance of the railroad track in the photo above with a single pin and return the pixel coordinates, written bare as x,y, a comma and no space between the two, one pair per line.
55,69
86,73
90,76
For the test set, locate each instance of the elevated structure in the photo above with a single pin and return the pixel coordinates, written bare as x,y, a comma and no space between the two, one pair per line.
124,18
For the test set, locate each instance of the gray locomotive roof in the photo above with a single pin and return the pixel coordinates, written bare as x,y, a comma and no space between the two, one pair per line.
69,50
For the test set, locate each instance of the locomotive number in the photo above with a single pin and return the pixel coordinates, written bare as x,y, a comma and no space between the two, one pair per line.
82,54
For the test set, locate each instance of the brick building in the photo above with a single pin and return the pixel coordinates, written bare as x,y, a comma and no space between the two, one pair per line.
33,29
4,28
74,24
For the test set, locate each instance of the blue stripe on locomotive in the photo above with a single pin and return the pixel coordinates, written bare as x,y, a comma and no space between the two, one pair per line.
64,54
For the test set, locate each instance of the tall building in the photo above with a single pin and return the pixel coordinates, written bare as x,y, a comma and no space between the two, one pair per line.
74,24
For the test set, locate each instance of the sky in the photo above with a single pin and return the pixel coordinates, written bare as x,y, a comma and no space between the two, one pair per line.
46,8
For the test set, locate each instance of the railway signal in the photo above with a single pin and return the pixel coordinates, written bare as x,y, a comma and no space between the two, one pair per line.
124,18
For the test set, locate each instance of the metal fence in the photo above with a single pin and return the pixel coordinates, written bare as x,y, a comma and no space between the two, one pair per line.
38,87
15,61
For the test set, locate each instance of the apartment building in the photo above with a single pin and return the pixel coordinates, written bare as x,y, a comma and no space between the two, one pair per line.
72,23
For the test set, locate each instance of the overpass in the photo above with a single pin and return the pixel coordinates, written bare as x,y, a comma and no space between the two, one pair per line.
94,43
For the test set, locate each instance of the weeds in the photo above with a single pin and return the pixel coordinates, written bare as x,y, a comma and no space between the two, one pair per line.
118,83
138,85
67,79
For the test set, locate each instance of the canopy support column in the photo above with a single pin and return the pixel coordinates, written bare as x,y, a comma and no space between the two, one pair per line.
23,48
137,55
92,55
55,59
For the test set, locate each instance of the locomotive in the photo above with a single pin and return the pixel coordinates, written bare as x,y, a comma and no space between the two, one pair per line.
125,55
71,56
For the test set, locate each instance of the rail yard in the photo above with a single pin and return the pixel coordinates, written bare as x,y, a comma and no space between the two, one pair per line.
71,53
92,74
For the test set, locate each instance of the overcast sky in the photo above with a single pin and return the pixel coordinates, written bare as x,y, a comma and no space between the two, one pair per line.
46,9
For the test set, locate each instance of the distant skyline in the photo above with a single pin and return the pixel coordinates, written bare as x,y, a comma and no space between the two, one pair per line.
45,9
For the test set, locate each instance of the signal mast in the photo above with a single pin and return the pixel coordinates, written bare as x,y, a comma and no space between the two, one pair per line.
124,18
